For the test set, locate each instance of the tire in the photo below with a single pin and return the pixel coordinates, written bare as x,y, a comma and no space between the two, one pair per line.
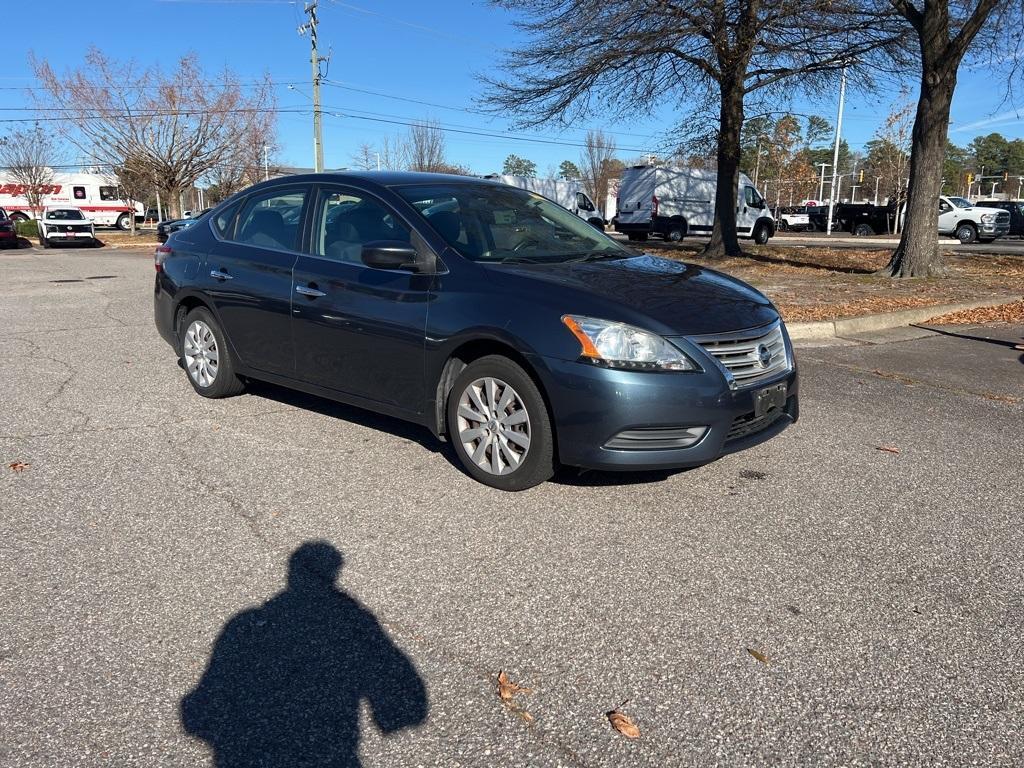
44,243
676,231
761,234
19,217
783,225
637,237
124,222
597,224
811,227
536,462
198,330
966,233
863,230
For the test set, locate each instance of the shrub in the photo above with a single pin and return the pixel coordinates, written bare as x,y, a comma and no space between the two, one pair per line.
26,228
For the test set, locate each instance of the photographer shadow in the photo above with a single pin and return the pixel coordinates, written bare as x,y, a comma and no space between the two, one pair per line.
285,680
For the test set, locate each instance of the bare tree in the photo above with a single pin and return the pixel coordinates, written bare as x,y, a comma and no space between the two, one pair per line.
180,124
596,165
945,31
28,157
709,52
426,147
365,157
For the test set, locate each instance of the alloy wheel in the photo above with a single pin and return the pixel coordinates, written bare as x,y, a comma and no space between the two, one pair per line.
494,426
202,357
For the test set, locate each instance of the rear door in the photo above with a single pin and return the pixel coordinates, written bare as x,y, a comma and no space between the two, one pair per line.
358,329
248,275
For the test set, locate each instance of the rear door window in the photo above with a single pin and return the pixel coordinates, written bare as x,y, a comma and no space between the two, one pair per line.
273,219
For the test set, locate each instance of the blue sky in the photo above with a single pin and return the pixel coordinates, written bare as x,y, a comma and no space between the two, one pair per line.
408,51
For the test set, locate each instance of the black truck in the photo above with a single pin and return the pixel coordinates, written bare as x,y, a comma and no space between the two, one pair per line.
860,219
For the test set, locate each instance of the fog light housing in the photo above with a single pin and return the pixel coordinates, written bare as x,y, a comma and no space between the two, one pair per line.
656,438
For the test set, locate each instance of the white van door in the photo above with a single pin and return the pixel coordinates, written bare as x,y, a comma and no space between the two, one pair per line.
748,209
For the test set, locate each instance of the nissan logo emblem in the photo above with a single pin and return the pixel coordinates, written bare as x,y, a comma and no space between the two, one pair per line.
764,355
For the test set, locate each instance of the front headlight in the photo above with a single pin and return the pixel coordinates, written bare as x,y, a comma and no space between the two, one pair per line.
989,218
618,345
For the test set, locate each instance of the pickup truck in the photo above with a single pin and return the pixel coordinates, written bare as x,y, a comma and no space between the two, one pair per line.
959,218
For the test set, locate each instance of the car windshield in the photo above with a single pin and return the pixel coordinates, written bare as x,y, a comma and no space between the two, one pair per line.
498,223
959,202
66,214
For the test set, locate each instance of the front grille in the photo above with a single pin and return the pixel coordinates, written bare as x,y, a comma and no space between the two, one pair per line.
749,424
1003,217
749,357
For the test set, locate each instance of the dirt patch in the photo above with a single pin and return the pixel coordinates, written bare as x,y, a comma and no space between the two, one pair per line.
821,283
117,239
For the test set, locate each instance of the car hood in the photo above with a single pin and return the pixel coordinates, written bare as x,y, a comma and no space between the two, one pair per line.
48,220
665,296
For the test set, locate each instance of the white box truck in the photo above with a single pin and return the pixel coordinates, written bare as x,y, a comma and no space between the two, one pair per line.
676,202
98,196
568,194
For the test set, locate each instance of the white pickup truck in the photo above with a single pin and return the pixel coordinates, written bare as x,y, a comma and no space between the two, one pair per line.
959,218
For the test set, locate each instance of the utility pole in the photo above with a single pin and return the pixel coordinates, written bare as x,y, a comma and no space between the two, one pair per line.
821,184
314,60
877,179
835,153
266,162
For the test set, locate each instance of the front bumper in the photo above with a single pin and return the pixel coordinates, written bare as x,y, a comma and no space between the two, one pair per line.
995,229
70,237
591,405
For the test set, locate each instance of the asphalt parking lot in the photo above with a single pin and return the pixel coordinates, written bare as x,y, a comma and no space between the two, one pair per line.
812,601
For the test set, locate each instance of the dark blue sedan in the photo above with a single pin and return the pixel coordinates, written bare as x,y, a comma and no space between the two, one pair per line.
487,313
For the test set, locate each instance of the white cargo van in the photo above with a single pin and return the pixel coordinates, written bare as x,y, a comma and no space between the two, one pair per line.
676,202
568,194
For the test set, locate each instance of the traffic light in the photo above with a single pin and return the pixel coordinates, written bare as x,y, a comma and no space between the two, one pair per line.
970,178
860,179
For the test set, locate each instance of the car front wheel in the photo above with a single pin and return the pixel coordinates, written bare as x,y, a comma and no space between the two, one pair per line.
966,233
761,234
206,358
499,425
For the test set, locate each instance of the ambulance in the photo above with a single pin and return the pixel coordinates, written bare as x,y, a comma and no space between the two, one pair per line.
98,196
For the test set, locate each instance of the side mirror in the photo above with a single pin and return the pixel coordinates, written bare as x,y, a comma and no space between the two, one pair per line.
390,254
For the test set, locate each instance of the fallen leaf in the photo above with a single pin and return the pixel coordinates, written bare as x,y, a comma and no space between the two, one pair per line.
758,655
18,466
623,724
507,689
524,714
888,449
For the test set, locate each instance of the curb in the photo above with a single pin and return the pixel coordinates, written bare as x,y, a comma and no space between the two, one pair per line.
849,326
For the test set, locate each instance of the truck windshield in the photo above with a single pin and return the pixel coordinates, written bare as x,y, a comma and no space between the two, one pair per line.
959,202
65,213
490,222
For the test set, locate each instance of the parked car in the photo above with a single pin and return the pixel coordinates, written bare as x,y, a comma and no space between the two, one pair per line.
792,217
165,228
488,314
676,202
1016,210
61,226
8,231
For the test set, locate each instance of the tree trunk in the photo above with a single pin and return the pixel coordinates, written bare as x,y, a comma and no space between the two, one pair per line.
918,253
723,236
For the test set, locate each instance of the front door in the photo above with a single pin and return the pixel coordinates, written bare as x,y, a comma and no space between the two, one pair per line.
947,217
358,329
248,275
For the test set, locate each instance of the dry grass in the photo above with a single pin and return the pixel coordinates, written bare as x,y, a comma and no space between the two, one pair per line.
820,283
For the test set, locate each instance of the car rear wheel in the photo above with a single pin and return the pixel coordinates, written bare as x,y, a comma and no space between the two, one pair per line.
863,230
124,222
499,425
783,225
205,356
966,233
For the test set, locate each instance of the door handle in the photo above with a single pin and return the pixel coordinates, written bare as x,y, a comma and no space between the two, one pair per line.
309,290
218,275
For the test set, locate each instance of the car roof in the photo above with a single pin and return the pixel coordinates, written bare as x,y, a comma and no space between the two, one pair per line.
384,178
